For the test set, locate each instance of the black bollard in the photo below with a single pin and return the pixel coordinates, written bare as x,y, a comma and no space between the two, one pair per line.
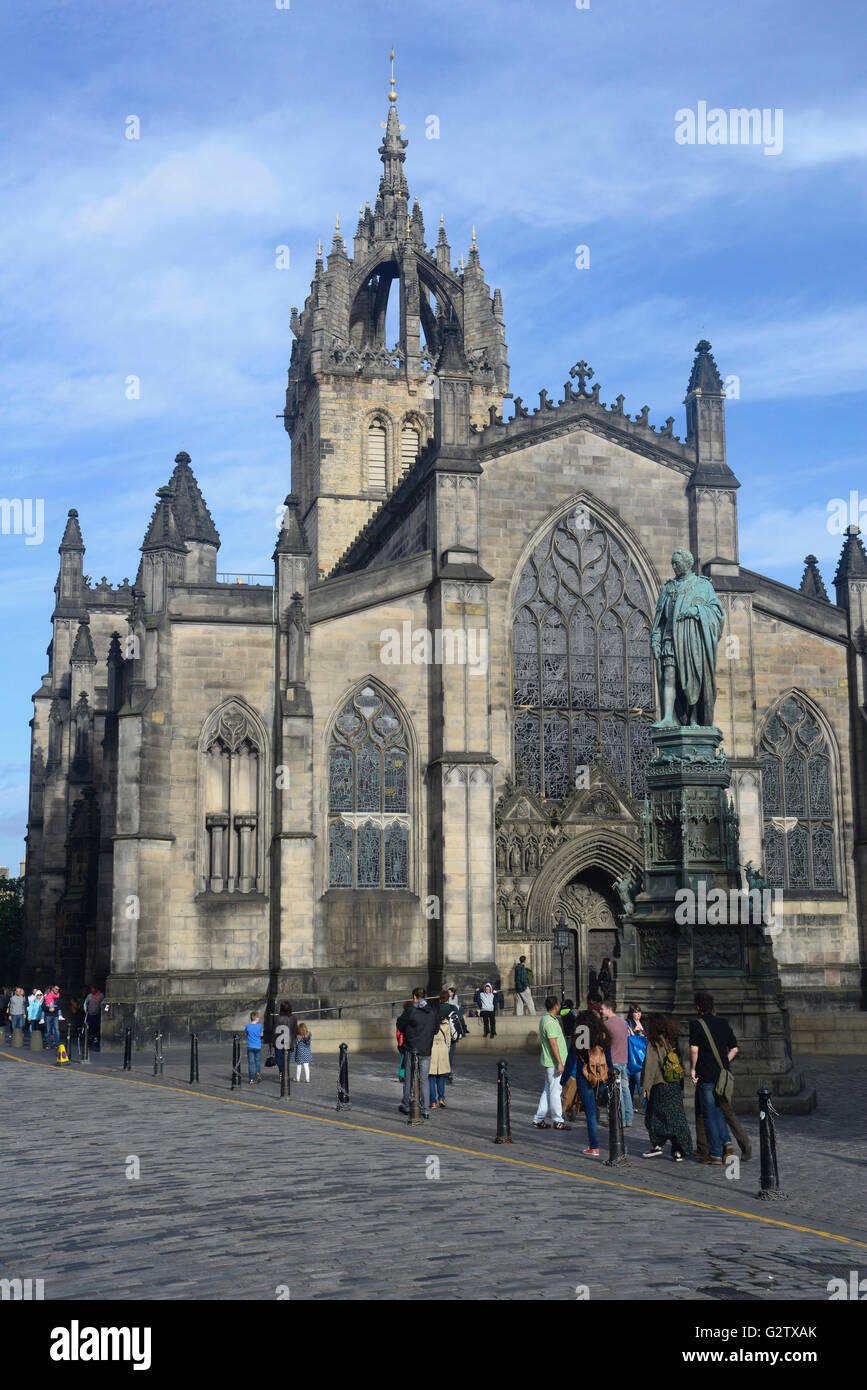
84,1044
414,1089
236,1060
158,1054
343,1101
504,1099
194,1057
127,1050
770,1177
284,1073
616,1146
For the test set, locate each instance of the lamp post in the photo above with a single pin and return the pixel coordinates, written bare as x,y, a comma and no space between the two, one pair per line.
561,944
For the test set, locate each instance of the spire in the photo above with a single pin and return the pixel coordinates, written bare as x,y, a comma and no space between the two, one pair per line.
82,648
72,535
163,532
811,580
853,561
191,513
292,540
704,375
444,251
393,193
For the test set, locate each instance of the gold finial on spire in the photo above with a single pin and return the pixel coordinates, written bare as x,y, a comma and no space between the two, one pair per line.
474,233
441,219
462,265
392,95
337,223
408,227
319,249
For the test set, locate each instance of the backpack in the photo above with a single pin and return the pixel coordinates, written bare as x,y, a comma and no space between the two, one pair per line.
672,1067
595,1069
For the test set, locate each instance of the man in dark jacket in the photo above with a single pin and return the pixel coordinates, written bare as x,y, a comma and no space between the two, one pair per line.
418,1024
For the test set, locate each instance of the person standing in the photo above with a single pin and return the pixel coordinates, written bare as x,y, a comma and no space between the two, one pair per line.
253,1031
553,1059
93,1014
16,1013
662,1082
712,1045
456,1026
439,1065
51,1010
619,1034
636,1030
567,1019
523,992
591,1064
287,1020
401,1046
35,1014
605,982
303,1051
487,1008
418,1025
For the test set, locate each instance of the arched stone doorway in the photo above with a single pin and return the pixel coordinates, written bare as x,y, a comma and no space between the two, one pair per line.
588,908
577,882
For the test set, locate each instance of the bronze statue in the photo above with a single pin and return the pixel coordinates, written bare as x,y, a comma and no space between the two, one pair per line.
687,626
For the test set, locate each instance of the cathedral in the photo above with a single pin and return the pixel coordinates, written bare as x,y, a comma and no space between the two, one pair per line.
407,753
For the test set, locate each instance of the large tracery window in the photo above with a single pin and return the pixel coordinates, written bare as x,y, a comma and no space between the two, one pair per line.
368,795
798,800
233,758
582,662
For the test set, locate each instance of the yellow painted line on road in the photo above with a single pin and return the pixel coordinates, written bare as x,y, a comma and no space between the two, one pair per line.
458,1148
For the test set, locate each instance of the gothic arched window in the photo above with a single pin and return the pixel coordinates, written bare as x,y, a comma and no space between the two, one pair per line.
368,795
797,786
233,771
582,663
377,439
410,444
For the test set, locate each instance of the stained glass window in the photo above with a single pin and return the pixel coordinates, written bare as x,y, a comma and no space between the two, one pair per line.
582,663
368,795
798,805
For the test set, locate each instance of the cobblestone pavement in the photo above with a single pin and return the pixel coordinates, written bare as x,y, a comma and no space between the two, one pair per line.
240,1200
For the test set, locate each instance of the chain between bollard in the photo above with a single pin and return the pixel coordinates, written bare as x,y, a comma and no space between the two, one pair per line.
236,1060
343,1101
770,1190
194,1058
158,1054
127,1050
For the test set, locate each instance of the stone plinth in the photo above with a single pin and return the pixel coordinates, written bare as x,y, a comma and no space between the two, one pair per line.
711,936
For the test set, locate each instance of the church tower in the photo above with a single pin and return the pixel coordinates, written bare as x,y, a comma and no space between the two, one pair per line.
359,404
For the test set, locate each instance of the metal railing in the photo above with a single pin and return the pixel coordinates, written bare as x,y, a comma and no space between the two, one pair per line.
230,577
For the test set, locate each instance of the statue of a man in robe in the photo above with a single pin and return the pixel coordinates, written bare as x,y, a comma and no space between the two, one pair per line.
687,626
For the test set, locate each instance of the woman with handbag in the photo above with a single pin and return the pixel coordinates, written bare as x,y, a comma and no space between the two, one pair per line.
589,1065
637,1052
662,1083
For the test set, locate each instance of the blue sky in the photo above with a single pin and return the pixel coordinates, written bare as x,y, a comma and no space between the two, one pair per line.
156,257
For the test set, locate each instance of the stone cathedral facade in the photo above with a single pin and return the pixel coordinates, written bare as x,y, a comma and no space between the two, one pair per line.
402,758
